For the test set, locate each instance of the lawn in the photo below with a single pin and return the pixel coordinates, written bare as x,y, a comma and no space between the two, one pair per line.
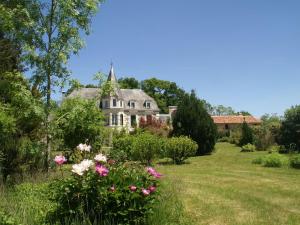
226,188
223,188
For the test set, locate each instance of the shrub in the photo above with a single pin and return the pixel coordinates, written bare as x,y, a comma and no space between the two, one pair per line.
258,160
180,148
224,139
247,135
105,194
273,160
248,148
7,220
191,119
145,148
295,161
274,149
122,148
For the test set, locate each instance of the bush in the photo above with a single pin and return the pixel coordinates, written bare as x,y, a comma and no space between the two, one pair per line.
295,161
105,194
273,160
224,139
191,119
258,160
180,148
247,135
248,148
145,148
6,220
122,148
274,149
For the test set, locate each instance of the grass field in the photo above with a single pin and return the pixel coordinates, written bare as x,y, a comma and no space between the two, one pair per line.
226,188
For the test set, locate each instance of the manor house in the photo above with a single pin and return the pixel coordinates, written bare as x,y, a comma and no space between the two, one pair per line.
123,108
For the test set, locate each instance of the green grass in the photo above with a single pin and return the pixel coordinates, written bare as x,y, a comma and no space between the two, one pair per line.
226,188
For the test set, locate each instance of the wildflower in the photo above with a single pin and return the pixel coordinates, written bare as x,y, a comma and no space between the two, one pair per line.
102,170
100,158
84,148
132,188
59,159
152,189
145,192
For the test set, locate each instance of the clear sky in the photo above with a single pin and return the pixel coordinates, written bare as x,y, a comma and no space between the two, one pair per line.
239,53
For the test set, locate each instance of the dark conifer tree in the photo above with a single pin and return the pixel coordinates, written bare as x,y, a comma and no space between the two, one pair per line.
191,119
247,135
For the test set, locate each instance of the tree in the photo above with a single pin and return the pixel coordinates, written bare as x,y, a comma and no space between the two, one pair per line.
290,129
129,83
247,135
164,92
77,121
192,120
51,35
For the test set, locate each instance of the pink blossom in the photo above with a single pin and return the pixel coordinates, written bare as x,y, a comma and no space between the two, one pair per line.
102,170
112,188
153,172
145,192
60,159
152,189
132,188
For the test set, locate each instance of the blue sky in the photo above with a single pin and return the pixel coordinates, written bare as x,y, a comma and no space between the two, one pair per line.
239,53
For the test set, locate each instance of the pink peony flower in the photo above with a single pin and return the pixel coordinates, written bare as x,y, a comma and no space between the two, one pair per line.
102,170
153,172
60,159
132,188
152,189
145,192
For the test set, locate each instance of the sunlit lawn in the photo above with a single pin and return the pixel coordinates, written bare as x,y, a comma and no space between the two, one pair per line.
226,188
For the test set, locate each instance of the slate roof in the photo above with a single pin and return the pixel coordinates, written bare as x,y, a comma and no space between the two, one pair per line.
136,95
235,119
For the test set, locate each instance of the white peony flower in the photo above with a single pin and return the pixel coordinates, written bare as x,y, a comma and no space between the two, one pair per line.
86,164
84,148
100,158
78,169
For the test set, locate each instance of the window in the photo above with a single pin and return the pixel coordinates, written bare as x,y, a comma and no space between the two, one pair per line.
114,102
131,104
121,119
114,119
226,127
106,104
147,104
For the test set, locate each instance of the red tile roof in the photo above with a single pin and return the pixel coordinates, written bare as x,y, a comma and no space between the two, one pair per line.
235,119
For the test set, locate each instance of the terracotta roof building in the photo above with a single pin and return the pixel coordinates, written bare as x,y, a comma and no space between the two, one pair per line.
230,122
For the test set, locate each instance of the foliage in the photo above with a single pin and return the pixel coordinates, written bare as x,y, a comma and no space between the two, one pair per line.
180,148
124,195
79,120
247,135
165,93
290,129
235,135
274,149
248,148
122,148
295,161
129,83
145,148
192,120
273,160
258,160
154,126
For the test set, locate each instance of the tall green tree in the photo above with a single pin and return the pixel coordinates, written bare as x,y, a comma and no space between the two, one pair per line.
247,135
290,129
164,92
129,83
51,35
192,120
